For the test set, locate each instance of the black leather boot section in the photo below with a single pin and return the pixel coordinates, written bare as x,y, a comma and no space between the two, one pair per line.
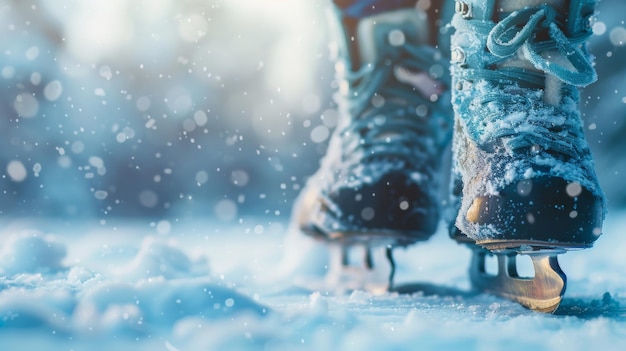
545,209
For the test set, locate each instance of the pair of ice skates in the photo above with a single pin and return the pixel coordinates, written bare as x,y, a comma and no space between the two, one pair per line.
501,81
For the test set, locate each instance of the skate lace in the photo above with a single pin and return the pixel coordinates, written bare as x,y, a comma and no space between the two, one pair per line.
519,116
392,130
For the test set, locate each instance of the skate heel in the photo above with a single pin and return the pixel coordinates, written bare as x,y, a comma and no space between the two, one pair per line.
542,293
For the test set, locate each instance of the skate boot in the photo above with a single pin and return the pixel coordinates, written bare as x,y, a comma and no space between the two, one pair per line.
377,186
523,177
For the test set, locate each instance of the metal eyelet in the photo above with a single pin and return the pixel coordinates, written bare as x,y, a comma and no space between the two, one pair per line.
457,55
463,9
463,84
459,85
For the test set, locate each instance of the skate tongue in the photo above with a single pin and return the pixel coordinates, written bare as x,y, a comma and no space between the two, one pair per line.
573,15
393,28
507,6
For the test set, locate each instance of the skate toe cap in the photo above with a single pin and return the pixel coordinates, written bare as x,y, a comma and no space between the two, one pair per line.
547,209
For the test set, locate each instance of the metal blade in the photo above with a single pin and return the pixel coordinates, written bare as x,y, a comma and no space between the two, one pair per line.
543,292
360,267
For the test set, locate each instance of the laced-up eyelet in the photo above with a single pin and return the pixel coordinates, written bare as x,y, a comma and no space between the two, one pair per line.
460,85
457,56
463,9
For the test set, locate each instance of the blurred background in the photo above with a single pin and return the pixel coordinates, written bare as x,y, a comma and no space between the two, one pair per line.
212,109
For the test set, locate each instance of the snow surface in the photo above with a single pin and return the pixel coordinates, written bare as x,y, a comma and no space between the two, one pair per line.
216,286
248,81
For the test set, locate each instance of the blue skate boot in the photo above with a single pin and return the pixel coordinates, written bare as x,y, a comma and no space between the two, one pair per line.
523,177
378,185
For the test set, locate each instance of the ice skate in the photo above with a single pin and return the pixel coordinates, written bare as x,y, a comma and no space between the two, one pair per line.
523,177
378,185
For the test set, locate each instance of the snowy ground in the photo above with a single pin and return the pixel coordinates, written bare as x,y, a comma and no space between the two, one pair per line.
207,286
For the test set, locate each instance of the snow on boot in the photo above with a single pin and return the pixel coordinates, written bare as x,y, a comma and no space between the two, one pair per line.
377,186
523,177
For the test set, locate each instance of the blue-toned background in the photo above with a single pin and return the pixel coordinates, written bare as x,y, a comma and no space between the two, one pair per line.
179,108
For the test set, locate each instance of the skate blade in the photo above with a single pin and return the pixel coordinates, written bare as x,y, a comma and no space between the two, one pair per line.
542,293
359,267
